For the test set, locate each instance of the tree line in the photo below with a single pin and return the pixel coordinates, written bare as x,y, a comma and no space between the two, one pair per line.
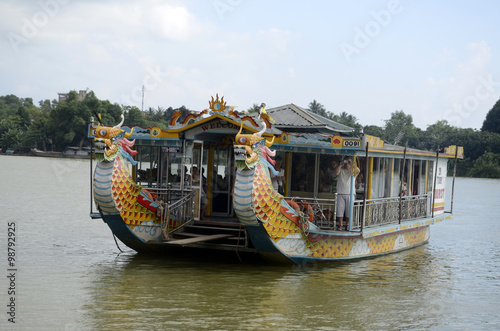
53,125
481,147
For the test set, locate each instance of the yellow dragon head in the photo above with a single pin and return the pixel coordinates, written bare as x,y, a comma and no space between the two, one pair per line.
246,147
108,140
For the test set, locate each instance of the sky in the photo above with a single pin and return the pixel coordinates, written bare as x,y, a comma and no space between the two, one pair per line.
434,60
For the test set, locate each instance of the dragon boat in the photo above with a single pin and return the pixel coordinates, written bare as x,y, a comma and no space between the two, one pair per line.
207,186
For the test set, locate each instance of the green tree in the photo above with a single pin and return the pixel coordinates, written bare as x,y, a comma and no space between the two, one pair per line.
374,130
438,135
11,138
68,121
317,108
399,128
492,120
46,106
24,115
11,131
110,113
134,117
486,166
36,136
346,119
254,109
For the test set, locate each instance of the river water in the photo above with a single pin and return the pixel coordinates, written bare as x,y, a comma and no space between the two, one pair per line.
68,274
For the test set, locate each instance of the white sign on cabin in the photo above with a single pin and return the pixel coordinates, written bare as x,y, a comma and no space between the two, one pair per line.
439,193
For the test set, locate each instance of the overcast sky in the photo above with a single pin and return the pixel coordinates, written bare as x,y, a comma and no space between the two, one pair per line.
432,59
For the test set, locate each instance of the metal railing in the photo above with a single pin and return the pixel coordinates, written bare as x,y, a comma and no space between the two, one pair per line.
377,212
387,210
176,208
323,209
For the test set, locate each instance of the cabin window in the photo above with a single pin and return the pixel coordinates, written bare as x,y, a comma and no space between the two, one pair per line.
375,177
281,185
396,178
418,178
378,180
327,181
222,181
405,168
360,179
430,176
412,178
173,168
302,178
423,172
387,177
147,173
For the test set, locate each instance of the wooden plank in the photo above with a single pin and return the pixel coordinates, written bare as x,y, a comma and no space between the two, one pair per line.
197,239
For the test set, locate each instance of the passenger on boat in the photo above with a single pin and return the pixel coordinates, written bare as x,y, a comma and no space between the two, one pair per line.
196,182
404,188
343,172
187,176
327,176
278,180
360,186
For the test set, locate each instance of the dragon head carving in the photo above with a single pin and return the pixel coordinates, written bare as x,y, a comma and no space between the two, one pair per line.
248,148
109,141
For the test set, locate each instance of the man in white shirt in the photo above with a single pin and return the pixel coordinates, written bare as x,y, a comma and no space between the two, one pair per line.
343,172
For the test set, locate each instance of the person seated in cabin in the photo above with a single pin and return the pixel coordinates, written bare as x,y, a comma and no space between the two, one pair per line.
360,186
343,172
323,181
404,188
327,176
195,176
187,176
278,180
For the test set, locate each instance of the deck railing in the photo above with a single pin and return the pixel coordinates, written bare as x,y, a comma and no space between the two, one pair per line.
176,208
377,212
323,210
387,210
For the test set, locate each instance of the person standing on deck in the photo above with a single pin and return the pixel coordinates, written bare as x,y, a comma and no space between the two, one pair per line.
343,172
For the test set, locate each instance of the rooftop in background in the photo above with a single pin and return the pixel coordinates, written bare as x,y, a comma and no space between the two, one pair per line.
64,96
292,117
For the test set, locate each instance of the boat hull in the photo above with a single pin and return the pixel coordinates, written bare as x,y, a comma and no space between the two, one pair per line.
336,246
325,246
136,239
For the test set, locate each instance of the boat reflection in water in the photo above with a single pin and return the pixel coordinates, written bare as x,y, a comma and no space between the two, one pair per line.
175,293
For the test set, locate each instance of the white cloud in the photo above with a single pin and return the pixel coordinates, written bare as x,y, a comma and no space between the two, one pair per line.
455,97
276,39
98,53
479,56
170,22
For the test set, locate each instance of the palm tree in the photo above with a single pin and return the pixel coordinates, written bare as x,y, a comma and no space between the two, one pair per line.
317,108
254,109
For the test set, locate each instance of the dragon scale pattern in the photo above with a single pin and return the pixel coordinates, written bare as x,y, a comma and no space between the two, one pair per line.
125,193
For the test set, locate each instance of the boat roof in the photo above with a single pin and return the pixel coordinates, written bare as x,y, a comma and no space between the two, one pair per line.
292,118
294,128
